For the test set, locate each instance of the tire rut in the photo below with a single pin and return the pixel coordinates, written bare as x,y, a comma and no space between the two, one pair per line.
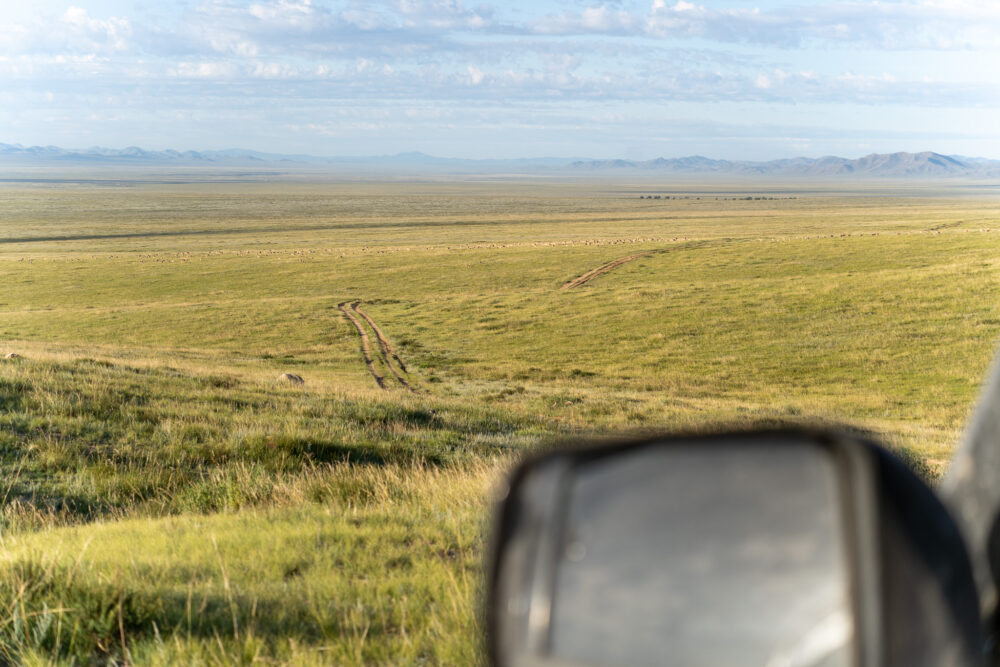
602,269
365,344
385,347
383,341
585,278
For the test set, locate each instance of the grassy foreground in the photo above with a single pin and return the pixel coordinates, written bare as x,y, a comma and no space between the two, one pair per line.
167,499
357,564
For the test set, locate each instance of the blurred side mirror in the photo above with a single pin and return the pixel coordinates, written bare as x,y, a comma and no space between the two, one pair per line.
765,548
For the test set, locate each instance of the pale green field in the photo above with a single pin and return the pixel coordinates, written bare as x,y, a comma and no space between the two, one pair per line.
166,499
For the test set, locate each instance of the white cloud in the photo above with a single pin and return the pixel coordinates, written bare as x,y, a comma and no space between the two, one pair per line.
275,71
72,32
443,14
96,35
203,70
365,19
300,53
599,19
924,24
284,11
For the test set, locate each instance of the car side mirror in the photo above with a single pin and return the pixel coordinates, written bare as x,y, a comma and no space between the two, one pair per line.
760,548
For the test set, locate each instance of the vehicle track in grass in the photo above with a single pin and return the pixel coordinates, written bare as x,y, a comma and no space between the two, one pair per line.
352,311
585,278
365,344
383,341
385,347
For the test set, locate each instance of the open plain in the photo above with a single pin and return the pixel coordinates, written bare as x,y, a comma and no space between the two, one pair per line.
168,497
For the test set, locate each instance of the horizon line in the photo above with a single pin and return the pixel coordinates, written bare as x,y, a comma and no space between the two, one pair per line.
404,153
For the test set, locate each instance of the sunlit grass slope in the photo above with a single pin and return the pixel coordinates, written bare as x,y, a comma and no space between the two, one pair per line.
167,499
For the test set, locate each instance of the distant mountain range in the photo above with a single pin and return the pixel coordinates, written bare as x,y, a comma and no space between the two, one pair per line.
12,154
888,165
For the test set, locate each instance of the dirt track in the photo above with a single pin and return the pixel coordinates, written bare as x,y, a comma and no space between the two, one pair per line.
585,278
383,342
365,345
385,347
603,268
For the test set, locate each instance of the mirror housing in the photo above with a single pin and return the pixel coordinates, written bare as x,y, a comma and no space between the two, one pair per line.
788,547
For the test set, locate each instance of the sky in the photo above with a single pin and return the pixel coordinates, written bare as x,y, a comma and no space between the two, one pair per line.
727,79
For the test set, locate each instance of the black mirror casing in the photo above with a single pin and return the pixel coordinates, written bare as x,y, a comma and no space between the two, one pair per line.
912,597
929,598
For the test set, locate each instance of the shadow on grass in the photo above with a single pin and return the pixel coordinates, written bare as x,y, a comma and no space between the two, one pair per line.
59,613
89,438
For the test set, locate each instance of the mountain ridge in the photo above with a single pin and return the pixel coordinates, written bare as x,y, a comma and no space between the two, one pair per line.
899,164
925,164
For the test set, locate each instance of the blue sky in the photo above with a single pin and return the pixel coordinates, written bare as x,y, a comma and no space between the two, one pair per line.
722,78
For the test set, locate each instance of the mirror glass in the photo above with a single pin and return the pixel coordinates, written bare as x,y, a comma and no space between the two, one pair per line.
704,555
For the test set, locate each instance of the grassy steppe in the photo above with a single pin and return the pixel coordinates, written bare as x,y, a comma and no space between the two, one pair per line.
166,499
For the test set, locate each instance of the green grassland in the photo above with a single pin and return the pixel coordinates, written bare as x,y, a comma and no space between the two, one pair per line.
167,499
